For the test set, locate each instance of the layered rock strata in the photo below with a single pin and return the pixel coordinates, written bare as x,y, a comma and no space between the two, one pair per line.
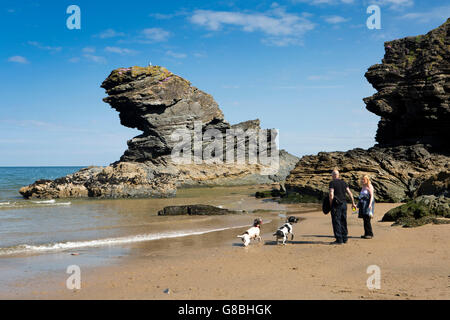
173,115
413,84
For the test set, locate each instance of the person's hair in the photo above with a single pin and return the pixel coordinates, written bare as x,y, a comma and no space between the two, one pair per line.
364,178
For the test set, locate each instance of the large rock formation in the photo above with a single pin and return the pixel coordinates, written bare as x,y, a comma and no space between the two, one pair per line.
158,102
397,173
413,85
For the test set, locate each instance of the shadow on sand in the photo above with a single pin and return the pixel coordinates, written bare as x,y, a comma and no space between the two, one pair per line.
326,236
235,244
274,243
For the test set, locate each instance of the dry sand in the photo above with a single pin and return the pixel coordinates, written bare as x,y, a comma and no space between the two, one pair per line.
414,264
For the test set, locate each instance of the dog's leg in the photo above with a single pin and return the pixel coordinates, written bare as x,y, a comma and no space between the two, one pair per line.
292,236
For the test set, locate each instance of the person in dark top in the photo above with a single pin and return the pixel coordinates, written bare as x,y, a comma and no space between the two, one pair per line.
338,203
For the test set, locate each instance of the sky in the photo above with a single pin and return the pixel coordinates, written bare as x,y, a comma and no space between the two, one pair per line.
297,65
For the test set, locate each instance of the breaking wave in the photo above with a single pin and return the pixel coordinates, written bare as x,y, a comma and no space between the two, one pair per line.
61,246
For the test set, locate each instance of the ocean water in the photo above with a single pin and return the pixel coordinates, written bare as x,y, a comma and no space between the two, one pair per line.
34,227
40,238
13,178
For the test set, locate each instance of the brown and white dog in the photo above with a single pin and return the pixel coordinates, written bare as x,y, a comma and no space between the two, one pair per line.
253,233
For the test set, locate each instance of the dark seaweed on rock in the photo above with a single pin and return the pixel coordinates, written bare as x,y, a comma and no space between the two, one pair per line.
420,211
195,209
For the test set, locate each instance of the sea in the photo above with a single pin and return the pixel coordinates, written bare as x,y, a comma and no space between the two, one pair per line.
45,235
38,226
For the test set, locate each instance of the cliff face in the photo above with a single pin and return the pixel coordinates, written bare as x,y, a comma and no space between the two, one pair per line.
413,84
158,102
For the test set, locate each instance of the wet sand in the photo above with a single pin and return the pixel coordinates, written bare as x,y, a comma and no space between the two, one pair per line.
414,264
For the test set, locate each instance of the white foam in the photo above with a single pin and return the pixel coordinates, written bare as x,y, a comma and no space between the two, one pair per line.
62,203
52,202
8,204
45,201
60,246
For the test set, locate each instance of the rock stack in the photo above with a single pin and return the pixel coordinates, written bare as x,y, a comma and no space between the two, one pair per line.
413,85
158,102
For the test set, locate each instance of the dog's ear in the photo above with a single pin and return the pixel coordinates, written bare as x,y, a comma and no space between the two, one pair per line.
293,219
257,222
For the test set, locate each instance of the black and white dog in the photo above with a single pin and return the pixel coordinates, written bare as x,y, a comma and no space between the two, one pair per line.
286,229
252,233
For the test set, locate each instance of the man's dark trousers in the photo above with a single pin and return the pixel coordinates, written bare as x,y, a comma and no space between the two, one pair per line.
339,220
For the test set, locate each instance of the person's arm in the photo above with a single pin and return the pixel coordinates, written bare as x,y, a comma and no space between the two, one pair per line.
331,196
371,197
351,197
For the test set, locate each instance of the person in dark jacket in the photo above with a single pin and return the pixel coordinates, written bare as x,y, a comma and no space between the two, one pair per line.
366,206
338,203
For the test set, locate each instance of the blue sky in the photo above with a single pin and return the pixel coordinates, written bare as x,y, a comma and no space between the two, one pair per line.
297,65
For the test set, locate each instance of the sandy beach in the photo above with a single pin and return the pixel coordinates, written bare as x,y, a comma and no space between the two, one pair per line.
414,264
140,140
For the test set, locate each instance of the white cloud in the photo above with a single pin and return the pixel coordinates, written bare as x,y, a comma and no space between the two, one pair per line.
176,55
94,58
393,4
121,51
109,33
155,34
279,27
200,55
88,50
74,60
438,14
164,16
335,19
18,59
43,47
324,2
